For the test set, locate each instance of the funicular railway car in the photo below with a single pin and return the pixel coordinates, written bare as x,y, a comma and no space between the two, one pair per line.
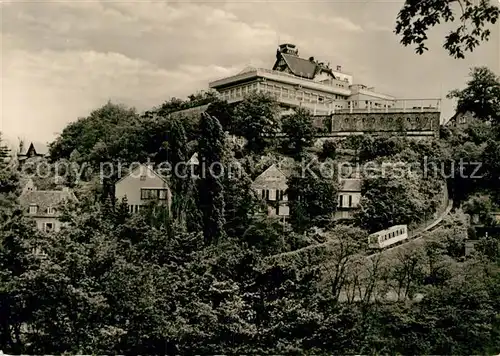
388,237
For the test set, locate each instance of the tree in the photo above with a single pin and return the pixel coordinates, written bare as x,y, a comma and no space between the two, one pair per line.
417,17
328,150
491,159
9,182
211,191
177,154
481,96
256,119
20,262
371,148
4,150
479,206
240,203
392,197
313,198
298,129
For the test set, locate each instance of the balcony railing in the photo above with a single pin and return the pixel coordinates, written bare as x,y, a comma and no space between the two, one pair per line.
389,106
327,107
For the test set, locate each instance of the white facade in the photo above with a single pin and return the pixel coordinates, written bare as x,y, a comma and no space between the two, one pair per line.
296,81
349,197
44,206
271,187
141,187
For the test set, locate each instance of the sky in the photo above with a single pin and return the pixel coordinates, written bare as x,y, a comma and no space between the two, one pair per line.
62,59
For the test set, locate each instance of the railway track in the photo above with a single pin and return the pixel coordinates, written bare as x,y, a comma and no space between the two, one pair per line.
435,225
416,235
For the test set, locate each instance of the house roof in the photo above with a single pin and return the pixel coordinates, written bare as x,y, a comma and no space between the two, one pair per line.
299,66
350,185
40,148
272,171
44,199
144,167
458,115
194,159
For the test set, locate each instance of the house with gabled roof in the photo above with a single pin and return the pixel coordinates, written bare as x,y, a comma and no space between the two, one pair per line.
34,149
193,161
45,206
271,186
349,197
288,61
461,120
143,186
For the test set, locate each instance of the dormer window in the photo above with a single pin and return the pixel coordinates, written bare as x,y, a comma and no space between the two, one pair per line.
33,209
50,210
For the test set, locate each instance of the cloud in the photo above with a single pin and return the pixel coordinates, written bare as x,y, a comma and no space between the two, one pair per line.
83,80
373,26
341,23
62,59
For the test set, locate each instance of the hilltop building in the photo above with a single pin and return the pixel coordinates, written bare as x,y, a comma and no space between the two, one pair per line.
296,81
43,206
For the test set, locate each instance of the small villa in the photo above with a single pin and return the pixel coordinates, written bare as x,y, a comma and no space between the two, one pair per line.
141,186
44,206
271,187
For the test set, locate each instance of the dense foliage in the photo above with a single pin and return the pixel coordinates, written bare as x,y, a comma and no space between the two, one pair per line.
416,18
216,275
298,130
481,97
256,119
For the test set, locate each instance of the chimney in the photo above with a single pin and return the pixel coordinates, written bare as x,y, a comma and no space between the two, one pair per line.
311,59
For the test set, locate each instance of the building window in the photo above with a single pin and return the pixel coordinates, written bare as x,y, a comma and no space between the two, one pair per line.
350,201
267,194
154,194
163,194
33,209
48,227
50,210
143,177
136,208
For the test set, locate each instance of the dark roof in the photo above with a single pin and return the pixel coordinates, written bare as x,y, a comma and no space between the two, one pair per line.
44,199
143,167
457,115
299,66
39,148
